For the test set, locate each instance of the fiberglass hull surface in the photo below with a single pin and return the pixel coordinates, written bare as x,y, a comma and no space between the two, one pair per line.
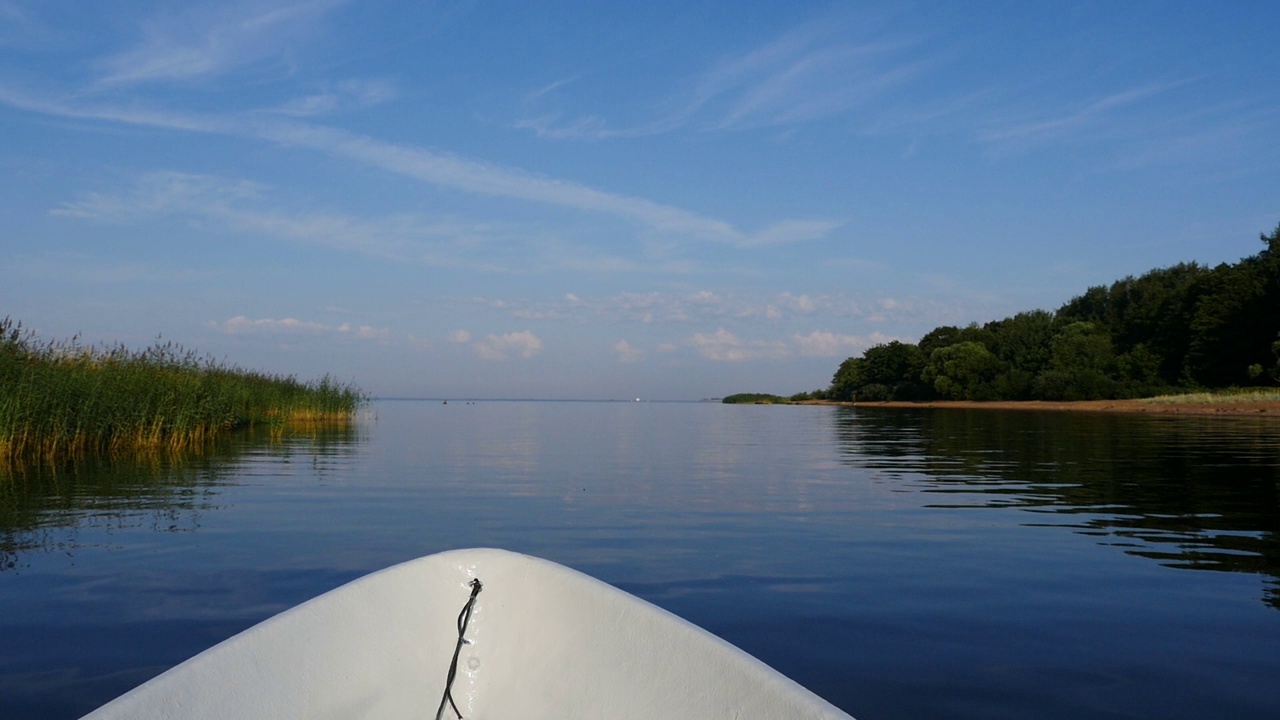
544,641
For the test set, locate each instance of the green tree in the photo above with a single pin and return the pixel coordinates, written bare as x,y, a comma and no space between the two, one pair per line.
1139,372
848,378
896,366
1094,306
1022,343
1257,370
940,337
951,335
1155,310
1237,318
963,371
1081,367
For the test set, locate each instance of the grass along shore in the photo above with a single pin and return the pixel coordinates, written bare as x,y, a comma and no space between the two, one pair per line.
61,400
1252,402
1230,395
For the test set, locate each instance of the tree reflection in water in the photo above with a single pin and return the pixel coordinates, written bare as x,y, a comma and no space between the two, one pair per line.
1198,493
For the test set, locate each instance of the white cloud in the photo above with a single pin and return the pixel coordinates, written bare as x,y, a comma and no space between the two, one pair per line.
626,352
707,305
655,307
829,344
501,347
242,325
459,337
724,346
702,306
797,303
366,332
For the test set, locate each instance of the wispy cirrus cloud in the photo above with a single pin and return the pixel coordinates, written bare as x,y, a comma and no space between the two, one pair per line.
790,231
247,207
436,168
242,206
202,41
1220,131
495,180
819,69
73,106
1051,123
882,80
338,96
158,193
810,72
553,126
20,27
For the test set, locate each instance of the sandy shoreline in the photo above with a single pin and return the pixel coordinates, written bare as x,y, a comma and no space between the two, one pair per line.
1265,408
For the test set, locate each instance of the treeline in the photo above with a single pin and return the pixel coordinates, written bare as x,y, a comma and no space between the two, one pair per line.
1172,329
755,399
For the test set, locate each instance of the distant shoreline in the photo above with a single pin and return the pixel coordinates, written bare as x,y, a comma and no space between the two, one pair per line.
1222,407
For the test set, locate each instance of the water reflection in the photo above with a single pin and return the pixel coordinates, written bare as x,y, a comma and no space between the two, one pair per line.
1195,493
53,508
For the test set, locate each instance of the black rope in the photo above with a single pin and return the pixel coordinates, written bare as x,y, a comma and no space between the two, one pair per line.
463,619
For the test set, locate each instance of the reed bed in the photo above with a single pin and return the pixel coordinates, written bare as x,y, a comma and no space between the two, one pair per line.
60,399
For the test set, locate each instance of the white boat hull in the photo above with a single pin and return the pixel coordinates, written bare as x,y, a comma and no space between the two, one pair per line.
544,641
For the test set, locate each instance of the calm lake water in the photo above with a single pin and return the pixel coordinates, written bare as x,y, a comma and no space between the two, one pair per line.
902,564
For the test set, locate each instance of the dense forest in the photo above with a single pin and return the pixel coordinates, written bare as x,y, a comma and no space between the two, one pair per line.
1172,329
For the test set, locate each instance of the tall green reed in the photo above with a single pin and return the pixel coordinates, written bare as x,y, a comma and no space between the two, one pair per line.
62,399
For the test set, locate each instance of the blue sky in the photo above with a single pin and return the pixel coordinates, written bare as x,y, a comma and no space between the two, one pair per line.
665,200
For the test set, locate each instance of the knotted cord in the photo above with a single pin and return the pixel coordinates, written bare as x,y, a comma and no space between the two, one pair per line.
463,619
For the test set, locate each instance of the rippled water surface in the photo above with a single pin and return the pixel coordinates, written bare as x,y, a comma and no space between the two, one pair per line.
932,563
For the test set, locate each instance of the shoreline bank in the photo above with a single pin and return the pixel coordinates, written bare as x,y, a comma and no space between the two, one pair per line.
1224,407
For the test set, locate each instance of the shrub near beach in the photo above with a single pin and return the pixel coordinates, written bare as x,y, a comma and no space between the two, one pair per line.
59,400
